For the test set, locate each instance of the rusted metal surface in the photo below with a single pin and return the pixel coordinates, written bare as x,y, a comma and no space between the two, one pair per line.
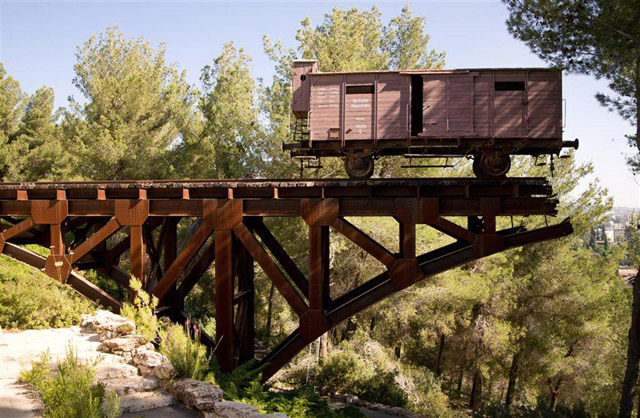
230,233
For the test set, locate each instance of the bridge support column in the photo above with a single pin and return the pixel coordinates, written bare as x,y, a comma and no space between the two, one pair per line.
170,252
224,217
224,299
53,213
244,299
134,213
319,215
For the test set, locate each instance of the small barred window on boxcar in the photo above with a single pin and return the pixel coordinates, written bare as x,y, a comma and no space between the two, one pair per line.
368,89
509,86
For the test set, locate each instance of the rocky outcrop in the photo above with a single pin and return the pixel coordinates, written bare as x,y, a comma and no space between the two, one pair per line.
119,340
140,375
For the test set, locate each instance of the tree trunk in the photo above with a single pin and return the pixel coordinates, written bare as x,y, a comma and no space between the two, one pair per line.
476,390
633,355
440,351
269,309
513,376
324,347
349,328
398,350
553,402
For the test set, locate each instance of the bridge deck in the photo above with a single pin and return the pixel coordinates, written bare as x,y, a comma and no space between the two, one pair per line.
457,196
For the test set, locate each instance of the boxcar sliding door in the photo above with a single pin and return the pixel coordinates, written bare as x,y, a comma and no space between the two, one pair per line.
509,105
448,105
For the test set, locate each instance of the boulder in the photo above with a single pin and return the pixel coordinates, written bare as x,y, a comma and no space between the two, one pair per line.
164,371
123,344
228,409
131,384
196,394
107,324
148,360
144,401
114,371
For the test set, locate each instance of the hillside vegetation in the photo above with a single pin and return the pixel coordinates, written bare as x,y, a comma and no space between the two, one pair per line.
29,299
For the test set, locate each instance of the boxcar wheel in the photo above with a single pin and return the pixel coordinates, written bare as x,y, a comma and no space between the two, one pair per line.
359,168
491,165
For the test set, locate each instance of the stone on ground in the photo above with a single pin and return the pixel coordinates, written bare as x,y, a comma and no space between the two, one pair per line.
148,360
195,394
123,344
165,371
107,324
115,371
143,401
131,384
228,409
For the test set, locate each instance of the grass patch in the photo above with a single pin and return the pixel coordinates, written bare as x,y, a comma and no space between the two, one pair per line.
29,299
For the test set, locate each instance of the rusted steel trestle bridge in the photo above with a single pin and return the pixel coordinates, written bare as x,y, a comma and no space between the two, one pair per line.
75,220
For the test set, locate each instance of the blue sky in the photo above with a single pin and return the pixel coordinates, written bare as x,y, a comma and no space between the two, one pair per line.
38,42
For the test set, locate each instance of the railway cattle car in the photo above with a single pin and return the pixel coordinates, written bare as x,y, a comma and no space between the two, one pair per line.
484,114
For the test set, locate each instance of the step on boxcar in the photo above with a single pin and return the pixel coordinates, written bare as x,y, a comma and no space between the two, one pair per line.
484,114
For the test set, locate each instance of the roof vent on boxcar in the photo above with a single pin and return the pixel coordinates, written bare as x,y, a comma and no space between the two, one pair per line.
509,86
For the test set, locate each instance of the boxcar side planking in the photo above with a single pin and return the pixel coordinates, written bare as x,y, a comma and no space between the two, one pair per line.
484,114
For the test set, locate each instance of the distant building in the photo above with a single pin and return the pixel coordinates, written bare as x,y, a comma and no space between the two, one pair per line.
619,233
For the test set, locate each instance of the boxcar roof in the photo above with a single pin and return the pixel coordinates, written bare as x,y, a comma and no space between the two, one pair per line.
444,71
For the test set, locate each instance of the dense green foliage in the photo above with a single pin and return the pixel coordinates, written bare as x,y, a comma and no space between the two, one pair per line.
188,357
532,331
142,311
71,392
29,299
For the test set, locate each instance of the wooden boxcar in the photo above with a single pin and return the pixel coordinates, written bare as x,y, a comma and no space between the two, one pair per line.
486,114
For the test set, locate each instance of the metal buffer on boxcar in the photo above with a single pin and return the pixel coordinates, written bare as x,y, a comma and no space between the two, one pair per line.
484,114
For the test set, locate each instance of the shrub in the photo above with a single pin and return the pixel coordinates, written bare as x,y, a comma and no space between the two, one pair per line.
142,311
71,392
29,299
364,368
39,372
345,371
187,356
243,385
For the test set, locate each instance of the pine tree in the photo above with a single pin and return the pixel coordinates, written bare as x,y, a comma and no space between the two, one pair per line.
12,150
46,158
406,43
228,146
137,107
